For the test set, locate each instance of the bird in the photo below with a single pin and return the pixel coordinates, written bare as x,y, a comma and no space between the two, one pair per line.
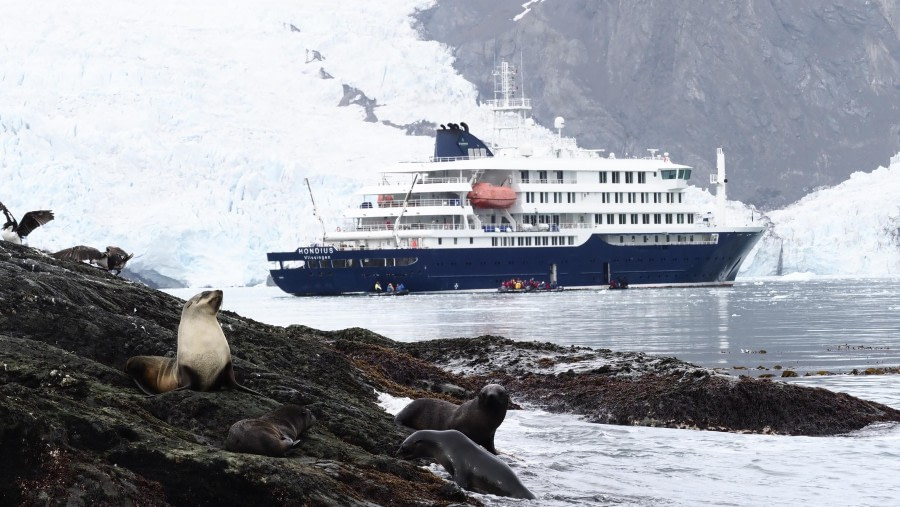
113,259
15,232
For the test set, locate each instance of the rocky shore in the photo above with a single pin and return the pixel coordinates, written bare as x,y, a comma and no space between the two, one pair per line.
74,429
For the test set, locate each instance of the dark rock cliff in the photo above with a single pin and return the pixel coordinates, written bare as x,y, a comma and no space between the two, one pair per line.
800,94
75,430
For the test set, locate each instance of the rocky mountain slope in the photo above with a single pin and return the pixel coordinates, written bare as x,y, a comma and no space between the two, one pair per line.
800,94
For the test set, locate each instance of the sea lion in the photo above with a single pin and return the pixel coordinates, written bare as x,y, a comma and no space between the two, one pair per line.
477,418
203,359
272,434
471,466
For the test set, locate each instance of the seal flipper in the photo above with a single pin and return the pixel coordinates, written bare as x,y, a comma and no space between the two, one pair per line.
143,388
226,378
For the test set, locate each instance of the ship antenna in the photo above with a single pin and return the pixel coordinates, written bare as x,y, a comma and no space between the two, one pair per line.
315,210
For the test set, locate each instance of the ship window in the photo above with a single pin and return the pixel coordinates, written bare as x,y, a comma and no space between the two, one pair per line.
657,218
655,239
644,197
341,263
523,176
670,197
571,197
598,218
623,218
680,196
571,240
440,241
559,176
657,197
642,177
602,176
667,174
373,263
455,241
632,197
629,177
542,176
493,241
634,218
604,196
293,265
471,241
646,218
615,176
405,261
687,174
621,239
668,218
645,238
610,218
690,218
679,218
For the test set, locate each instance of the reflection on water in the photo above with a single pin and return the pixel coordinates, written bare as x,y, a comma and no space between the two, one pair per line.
755,327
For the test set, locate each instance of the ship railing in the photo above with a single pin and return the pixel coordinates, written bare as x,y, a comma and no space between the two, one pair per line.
393,182
552,181
415,203
406,227
512,103
473,156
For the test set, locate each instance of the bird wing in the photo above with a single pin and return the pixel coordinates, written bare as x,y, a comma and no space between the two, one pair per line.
9,218
79,253
32,220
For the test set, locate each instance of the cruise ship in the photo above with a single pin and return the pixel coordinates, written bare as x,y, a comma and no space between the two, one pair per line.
475,215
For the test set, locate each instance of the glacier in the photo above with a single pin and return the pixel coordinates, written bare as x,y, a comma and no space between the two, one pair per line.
183,132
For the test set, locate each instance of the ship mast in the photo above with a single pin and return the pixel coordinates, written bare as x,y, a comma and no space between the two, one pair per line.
510,111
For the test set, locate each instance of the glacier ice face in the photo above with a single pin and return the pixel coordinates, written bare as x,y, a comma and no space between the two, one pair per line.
183,132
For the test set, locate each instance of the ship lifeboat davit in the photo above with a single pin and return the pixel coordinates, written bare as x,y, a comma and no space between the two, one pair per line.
484,195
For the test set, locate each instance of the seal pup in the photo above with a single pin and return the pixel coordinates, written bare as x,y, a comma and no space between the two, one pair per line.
477,418
272,434
471,466
15,232
203,359
113,259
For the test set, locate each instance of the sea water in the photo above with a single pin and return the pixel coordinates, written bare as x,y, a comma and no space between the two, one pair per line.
823,329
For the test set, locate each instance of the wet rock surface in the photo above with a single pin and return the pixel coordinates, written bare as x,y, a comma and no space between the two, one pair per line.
74,428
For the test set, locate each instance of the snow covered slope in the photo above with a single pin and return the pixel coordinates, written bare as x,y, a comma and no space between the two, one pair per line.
183,131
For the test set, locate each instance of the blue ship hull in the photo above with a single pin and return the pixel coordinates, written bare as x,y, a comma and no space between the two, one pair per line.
592,264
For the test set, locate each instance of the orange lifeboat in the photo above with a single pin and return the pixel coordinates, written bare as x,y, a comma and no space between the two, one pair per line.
385,200
485,195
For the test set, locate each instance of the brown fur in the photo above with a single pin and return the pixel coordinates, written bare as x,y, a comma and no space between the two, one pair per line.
273,434
203,359
478,418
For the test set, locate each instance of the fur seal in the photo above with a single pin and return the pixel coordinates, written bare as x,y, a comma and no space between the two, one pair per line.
113,259
203,359
15,232
472,467
272,434
477,418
